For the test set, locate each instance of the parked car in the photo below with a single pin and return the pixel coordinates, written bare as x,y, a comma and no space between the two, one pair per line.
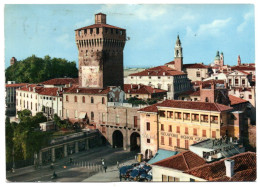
125,171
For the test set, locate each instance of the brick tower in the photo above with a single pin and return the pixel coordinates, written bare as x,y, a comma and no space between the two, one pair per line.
238,60
100,48
178,58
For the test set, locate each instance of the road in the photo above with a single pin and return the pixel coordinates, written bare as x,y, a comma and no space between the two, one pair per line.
76,172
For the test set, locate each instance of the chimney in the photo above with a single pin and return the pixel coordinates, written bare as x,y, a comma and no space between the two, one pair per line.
229,167
238,60
138,86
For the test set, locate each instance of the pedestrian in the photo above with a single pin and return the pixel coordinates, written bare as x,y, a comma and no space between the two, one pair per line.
105,168
120,176
117,163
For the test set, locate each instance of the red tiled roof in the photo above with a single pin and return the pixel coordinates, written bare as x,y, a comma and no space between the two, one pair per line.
183,161
243,68
143,89
193,105
244,169
75,89
236,100
60,81
29,88
158,71
195,66
196,93
98,26
15,85
172,62
244,72
50,91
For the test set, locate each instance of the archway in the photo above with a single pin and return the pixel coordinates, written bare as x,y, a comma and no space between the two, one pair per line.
117,139
135,142
148,154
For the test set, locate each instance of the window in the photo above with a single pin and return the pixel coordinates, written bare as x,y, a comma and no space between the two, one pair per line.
195,132
206,99
236,81
67,98
192,180
76,114
149,77
159,77
132,77
97,30
178,142
162,140
31,105
198,74
243,81
117,119
159,86
135,121
214,119
92,116
35,106
186,116
170,128
148,140
204,118
169,114
103,117
213,134
103,100
186,130
229,81
170,141
83,99
186,144
177,115
27,105
169,88
164,178
92,100
162,127
162,113
103,129
204,133
250,96
195,117
75,99
178,129
147,126
31,96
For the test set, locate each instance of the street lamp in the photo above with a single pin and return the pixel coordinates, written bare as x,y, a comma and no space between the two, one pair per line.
13,160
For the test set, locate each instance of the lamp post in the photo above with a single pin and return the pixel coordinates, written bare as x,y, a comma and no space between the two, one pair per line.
13,161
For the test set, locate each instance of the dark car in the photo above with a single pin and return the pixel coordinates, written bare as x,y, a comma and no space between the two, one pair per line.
135,174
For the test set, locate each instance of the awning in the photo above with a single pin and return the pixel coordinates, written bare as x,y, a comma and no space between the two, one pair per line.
162,154
82,115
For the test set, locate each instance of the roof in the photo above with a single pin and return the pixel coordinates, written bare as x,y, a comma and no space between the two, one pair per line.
193,105
50,91
243,72
98,26
244,169
196,93
183,161
76,89
236,100
172,62
243,68
159,71
161,155
195,66
15,85
31,87
60,81
142,89
191,93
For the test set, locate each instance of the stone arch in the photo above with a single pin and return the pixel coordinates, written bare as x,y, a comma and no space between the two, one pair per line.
135,141
117,139
148,154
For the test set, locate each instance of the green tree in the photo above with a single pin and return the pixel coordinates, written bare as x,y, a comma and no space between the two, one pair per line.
34,69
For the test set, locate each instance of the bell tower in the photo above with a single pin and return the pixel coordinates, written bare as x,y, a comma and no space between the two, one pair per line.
178,58
100,53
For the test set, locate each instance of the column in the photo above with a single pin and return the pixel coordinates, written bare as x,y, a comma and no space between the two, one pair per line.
53,154
65,150
76,147
87,144
40,158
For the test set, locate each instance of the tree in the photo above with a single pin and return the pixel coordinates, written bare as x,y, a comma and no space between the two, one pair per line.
46,68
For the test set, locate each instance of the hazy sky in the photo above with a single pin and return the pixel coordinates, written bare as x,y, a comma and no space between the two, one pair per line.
203,29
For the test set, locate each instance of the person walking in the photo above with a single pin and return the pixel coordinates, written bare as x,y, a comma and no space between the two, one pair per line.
117,163
105,168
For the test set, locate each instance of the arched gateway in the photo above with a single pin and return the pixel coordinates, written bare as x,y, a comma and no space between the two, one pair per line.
118,140
135,142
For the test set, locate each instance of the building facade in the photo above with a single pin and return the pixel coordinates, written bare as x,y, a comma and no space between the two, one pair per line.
178,124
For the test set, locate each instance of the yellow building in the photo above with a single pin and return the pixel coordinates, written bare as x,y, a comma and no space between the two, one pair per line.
182,123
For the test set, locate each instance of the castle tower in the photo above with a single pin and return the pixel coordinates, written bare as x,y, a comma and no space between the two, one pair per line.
221,59
217,59
238,60
178,58
100,52
13,61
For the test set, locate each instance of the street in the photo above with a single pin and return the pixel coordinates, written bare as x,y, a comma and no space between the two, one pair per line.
85,164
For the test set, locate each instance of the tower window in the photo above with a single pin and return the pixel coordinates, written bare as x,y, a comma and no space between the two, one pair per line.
79,32
91,31
112,31
97,30
92,100
198,74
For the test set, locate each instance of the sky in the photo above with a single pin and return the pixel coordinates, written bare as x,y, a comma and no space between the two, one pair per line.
203,29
